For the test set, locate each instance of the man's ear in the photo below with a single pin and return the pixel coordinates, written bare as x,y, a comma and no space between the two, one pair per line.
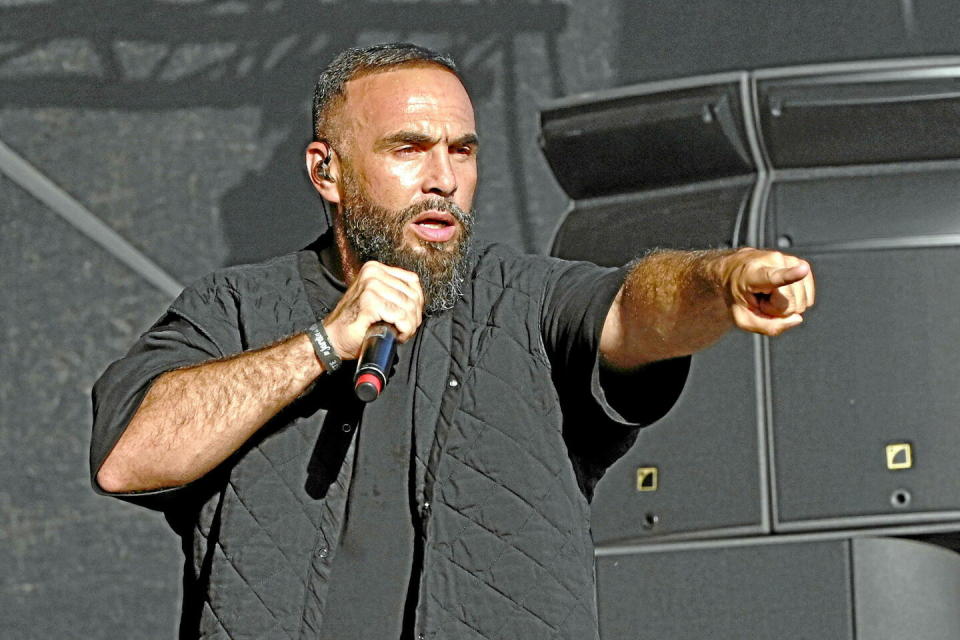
323,169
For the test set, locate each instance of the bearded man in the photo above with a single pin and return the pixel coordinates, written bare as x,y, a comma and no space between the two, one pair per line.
457,504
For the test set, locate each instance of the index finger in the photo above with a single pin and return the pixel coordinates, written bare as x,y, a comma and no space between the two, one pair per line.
769,278
409,277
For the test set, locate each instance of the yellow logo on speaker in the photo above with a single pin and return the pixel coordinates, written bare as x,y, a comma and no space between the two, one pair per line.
647,478
899,456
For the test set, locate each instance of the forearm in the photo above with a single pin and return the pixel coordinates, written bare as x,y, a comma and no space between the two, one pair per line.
675,303
192,419
672,303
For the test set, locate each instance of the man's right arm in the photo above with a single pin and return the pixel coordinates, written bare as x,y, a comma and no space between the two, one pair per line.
194,418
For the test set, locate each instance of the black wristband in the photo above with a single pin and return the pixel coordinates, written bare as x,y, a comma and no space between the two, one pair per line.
326,354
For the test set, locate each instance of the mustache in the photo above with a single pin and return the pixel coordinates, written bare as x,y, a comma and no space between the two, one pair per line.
437,203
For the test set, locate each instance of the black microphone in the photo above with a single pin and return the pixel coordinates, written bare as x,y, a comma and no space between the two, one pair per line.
376,360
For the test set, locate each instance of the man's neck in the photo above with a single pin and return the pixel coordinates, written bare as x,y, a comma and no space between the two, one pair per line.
345,265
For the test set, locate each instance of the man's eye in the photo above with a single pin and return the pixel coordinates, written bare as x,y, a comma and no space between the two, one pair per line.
465,151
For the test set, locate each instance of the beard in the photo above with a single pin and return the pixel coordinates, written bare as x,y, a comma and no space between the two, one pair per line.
377,233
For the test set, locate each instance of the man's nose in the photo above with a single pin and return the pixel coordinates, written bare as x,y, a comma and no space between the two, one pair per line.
441,177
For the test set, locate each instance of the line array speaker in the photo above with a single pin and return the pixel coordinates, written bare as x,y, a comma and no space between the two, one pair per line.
852,419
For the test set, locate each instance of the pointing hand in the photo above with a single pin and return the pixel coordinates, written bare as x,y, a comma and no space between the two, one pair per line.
767,291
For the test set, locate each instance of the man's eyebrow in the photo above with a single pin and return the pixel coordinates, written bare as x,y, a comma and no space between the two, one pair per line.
468,140
414,137
404,137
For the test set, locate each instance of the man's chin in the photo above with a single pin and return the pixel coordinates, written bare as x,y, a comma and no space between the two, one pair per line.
430,250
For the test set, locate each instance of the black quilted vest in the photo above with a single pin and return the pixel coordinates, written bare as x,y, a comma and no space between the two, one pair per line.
507,552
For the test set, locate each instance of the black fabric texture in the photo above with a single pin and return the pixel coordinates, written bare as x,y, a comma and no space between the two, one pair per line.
503,402
368,584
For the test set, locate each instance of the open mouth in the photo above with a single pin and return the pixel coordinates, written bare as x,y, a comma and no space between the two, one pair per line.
434,226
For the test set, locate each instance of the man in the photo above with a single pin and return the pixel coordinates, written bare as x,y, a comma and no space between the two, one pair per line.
455,505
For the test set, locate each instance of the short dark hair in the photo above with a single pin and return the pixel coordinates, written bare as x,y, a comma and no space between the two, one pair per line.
353,63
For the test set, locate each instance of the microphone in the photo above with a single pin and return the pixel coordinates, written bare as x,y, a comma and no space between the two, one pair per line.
376,359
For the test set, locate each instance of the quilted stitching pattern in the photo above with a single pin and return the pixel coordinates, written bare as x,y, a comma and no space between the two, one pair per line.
508,536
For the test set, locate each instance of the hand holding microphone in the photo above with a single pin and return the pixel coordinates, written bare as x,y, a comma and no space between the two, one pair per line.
381,308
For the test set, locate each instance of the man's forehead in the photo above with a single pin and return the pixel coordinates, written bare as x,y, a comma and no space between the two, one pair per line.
406,92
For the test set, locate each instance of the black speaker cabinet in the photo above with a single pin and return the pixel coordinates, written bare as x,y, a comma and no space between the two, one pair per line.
669,166
776,587
866,397
851,420
654,135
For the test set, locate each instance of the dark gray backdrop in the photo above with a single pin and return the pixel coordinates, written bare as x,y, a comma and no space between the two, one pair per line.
146,142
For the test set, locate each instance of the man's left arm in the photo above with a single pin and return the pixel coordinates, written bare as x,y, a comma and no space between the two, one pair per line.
675,303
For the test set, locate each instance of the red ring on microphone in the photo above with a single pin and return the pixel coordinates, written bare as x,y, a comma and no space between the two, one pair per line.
364,382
